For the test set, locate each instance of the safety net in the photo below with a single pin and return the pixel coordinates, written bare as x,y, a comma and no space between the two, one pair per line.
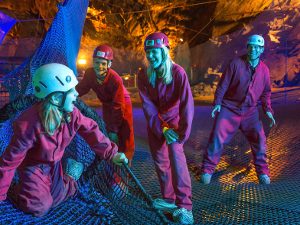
120,195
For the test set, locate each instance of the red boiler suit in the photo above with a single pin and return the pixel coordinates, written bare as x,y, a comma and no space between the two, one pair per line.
37,156
169,105
117,108
239,91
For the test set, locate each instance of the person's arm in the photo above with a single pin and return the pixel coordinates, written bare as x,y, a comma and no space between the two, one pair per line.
155,123
265,97
186,110
90,132
14,154
84,85
118,106
224,84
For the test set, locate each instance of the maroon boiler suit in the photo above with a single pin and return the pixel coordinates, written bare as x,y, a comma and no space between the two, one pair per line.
38,155
238,92
169,105
117,108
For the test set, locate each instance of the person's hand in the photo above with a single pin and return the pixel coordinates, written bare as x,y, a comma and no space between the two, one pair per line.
217,108
270,116
170,135
119,159
113,137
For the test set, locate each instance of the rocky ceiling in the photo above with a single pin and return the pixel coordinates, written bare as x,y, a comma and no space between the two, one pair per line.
206,33
125,23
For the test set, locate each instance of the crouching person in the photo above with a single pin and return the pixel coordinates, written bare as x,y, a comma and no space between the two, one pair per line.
41,135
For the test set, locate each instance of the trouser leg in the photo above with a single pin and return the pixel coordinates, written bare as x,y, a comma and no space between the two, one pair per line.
225,126
180,176
63,186
160,154
33,191
252,128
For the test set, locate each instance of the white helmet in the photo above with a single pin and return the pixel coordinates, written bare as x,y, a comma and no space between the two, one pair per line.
53,77
256,40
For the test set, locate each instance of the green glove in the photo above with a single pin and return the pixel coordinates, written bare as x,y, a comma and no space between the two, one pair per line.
272,120
170,135
119,159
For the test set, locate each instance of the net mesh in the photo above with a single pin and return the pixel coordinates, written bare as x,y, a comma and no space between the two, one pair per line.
114,195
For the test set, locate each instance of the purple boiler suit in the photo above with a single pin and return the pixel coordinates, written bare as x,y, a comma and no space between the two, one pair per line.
238,92
116,104
169,105
37,156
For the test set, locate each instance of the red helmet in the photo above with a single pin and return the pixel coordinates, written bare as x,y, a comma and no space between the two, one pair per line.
104,52
156,40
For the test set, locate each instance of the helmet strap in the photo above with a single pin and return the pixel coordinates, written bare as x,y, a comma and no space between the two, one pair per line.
60,104
65,116
64,113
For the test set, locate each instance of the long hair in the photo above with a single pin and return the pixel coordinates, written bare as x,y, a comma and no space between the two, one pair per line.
165,69
50,114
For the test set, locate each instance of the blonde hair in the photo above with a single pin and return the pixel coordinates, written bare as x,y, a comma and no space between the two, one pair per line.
166,67
50,114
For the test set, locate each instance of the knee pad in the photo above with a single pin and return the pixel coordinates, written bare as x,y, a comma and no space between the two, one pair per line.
74,169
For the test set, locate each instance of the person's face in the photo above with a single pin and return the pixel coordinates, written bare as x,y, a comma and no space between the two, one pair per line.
100,66
254,51
71,97
154,57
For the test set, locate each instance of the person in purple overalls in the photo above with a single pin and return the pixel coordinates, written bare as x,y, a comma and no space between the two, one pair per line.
41,135
169,109
246,81
115,99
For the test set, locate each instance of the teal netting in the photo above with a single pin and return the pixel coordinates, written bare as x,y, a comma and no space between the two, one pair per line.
60,45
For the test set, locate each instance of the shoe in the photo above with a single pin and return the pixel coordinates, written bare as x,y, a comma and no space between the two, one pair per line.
163,205
205,178
183,216
264,179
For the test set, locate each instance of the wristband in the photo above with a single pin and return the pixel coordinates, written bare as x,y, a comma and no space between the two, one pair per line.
165,129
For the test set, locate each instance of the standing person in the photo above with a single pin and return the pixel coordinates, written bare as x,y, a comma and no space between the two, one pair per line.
169,109
41,135
245,81
109,88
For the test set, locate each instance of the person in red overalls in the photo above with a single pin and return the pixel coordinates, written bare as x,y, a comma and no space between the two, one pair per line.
168,106
109,88
245,82
41,135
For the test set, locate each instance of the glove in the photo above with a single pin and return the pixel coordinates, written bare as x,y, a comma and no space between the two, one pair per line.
113,137
272,120
170,135
119,159
217,108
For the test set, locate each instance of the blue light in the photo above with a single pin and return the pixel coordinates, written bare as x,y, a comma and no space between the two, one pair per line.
6,23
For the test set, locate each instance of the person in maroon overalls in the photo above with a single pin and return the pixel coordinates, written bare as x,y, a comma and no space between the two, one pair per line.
245,81
169,109
117,107
41,135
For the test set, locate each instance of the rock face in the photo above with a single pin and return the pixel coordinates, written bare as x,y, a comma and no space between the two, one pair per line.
211,33
278,24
